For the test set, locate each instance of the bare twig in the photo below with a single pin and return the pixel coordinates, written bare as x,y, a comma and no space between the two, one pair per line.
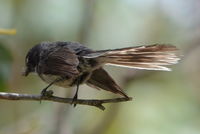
49,97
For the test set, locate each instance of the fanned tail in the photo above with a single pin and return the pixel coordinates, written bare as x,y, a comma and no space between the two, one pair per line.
152,57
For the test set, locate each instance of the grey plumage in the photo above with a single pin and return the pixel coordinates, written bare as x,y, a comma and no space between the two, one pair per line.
68,64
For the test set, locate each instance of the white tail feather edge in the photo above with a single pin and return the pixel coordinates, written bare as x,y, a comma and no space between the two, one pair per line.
149,68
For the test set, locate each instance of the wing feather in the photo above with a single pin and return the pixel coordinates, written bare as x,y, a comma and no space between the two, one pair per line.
62,62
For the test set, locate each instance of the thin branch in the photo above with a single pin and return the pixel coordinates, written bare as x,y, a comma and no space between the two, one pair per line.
49,97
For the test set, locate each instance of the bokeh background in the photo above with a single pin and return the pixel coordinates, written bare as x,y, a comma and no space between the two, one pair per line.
163,102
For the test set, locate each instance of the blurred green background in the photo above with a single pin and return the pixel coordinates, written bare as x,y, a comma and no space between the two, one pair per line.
163,102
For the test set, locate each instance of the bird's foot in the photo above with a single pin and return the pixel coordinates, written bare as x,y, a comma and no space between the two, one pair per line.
45,93
75,98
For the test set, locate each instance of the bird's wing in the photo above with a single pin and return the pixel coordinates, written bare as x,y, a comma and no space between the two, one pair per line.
62,62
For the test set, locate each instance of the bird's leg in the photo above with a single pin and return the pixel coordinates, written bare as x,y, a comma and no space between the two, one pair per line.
76,94
44,91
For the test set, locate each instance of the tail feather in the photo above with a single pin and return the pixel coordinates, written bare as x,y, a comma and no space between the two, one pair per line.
152,57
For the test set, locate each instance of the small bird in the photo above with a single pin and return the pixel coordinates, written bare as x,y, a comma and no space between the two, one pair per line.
68,64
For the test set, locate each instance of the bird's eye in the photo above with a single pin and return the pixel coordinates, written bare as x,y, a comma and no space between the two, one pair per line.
27,60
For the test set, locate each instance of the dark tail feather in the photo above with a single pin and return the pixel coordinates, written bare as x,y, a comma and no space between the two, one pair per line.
152,57
100,79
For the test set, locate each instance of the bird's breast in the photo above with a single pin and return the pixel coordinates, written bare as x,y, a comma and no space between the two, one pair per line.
62,83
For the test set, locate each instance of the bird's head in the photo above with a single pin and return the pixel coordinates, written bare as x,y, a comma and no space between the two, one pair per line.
32,60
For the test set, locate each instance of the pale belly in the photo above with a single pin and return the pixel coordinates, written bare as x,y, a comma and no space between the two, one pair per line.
51,78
